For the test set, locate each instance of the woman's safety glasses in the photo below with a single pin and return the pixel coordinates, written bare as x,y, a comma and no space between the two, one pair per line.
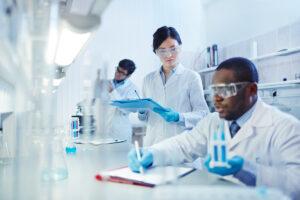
227,90
167,52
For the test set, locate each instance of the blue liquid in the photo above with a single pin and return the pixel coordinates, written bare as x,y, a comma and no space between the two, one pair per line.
54,174
223,150
216,153
71,150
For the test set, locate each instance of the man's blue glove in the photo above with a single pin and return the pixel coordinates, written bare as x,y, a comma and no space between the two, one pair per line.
133,162
168,114
235,163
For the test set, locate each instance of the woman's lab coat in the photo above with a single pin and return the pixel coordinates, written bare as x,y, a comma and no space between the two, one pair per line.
116,121
269,142
183,93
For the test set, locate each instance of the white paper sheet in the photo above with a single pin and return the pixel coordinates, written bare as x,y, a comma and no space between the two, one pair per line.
155,175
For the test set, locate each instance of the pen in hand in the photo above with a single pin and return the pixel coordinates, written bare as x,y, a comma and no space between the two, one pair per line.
137,94
138,154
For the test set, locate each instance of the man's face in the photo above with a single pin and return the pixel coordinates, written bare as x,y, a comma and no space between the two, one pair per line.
231,108
120,74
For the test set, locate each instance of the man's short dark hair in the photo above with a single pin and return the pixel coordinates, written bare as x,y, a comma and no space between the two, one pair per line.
162,33
243,68
127,65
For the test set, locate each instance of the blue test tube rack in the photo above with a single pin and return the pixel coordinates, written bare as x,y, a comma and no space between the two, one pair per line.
219,149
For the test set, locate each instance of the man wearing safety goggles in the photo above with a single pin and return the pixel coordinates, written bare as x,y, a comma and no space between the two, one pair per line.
263,142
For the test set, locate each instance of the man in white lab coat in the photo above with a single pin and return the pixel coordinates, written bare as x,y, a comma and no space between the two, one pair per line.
117,124
263,142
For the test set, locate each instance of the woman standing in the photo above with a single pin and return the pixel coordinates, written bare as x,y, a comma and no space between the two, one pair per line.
174,87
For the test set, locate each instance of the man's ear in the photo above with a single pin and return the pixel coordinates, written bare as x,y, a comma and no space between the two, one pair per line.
253,88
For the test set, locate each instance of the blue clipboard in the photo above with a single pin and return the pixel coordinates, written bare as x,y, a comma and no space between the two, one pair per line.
137,103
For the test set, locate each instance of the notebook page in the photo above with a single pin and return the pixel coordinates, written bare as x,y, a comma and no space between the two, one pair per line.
155,175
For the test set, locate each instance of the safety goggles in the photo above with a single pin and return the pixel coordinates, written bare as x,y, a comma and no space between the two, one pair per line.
227,90
167,52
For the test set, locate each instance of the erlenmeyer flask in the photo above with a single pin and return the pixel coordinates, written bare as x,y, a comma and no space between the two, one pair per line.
53,164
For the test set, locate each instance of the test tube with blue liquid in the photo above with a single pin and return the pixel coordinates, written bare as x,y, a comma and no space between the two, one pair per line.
74,134
219,149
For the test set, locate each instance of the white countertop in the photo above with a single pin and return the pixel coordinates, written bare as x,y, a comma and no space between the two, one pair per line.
22,181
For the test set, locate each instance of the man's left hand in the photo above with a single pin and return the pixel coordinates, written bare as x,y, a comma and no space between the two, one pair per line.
235,165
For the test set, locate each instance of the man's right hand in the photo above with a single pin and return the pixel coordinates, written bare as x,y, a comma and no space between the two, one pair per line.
146,161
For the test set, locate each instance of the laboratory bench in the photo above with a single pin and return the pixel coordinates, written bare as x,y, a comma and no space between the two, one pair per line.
21,181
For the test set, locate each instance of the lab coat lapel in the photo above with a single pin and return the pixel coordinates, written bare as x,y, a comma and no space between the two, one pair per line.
159,88
174,77
245,132
158,80
260,118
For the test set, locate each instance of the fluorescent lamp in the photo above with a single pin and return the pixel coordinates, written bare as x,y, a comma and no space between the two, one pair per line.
69,45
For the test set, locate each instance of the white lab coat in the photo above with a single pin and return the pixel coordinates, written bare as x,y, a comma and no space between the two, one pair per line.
117,123
269,142
183,93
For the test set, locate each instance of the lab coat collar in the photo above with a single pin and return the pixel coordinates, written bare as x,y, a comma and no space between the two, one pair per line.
261,117
125,83
179,69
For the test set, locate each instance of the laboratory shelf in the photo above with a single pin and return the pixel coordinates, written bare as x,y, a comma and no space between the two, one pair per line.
282,84
283,52
210,69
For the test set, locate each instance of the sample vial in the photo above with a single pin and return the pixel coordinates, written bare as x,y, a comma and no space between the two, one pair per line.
208,57
215,57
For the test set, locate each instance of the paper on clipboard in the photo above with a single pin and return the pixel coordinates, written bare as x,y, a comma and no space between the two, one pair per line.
137,103
152,177
99,141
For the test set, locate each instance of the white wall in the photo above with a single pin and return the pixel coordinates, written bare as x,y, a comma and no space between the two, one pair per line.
230,21
126,32
127,28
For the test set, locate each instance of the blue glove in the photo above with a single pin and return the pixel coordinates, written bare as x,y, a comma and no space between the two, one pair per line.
236,164
134,164
168,114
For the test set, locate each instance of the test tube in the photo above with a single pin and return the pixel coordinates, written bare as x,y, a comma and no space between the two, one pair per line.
219,149
223,148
